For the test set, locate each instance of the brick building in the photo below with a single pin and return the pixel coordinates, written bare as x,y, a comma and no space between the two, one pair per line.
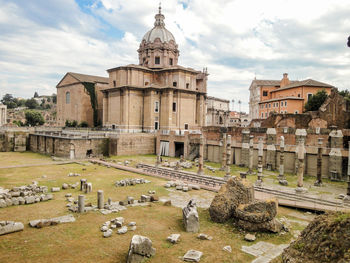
282,96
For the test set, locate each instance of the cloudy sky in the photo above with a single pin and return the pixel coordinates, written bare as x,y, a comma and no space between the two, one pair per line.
237,40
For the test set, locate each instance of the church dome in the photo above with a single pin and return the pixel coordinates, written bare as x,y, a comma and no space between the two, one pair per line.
159,31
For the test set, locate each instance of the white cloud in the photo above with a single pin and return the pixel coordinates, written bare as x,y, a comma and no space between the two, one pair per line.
236,39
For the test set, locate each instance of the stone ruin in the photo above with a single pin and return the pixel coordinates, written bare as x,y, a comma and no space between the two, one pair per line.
27,194
140,249
7,227
326,239
181,186
108,226
131,181
236,200
190,217
40,223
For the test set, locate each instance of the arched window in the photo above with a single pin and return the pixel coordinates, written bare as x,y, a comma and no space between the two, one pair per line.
67,97
220,120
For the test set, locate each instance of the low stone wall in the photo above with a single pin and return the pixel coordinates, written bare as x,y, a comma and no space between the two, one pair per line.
132,144
14,140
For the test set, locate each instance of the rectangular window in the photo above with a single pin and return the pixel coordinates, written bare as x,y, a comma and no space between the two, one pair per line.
156,125
285,103
269,105
262,115
114,83
281,103
156,106
67,97
174,106
174,84
170,61
277,104
298,95
157,60
309,95
265,114
186,126
266,105
265,93
187,85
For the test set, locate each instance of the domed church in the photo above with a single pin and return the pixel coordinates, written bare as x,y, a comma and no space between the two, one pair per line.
156,94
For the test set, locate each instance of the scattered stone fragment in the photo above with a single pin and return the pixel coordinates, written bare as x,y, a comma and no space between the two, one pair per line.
132,224
68,195
131,181
249,237
154,198
64,186
8,227
227,248
132,228
192,256
108,233
140,249
55,189
202,236
122,230
173,238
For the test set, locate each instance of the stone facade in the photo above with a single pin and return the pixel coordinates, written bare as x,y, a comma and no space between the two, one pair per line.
217,112
74,102
14,140
3,114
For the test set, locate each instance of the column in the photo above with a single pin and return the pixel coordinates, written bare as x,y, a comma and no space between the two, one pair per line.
201,152
347,197
251,151
335,156
271,149
82,183
224,148
300,171
245,148
260,159
105,109
81,204
281,170
228,159
319,163
100,201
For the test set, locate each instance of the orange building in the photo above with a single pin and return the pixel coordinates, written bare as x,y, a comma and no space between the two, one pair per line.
288,96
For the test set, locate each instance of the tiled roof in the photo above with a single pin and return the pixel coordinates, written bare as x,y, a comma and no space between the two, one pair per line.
88,78
307,82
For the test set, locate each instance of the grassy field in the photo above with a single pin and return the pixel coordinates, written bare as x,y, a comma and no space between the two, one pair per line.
82,240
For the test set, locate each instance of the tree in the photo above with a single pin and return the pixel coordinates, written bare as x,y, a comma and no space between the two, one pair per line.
345,94
9,101
36,95
34,118
32,104
316,100
54,98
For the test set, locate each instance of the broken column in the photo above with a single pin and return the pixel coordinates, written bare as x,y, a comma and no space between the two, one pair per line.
81,204
245,148
7,227
319,163
224,148
335,156
347,197
281,169
201,153
300,134
260,159
251,152
190,217
82,183
271,149
300,172
228,159
100,201
88,188
158,162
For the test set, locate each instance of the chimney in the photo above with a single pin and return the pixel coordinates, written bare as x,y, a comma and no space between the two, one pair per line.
285,81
